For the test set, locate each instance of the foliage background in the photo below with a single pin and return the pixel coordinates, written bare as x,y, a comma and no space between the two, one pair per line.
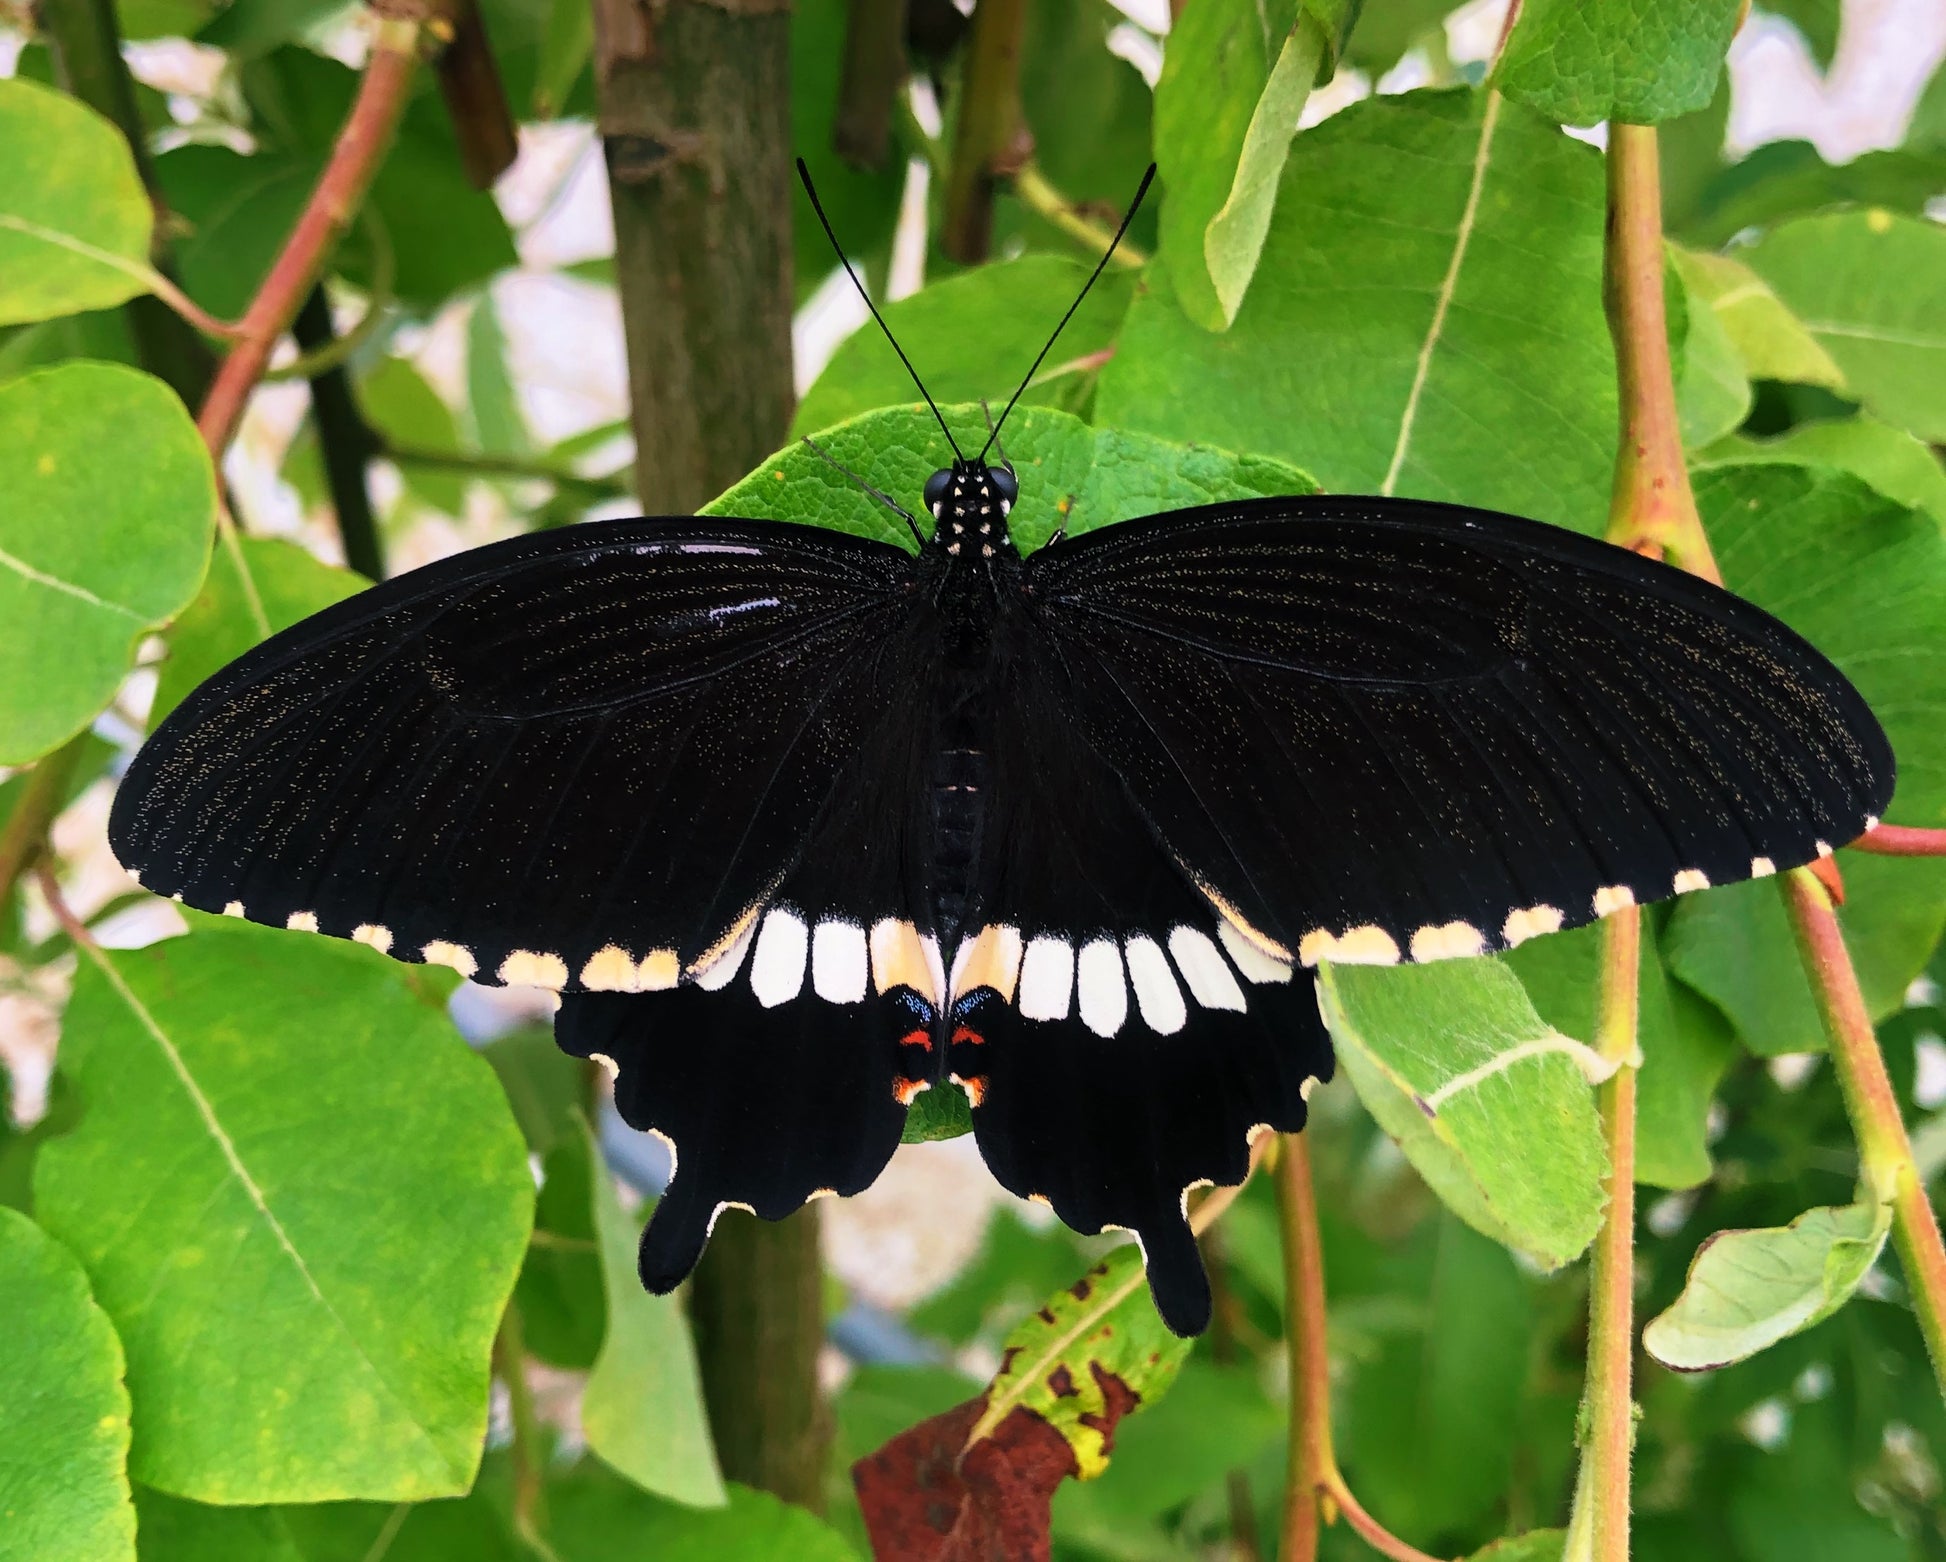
265,1210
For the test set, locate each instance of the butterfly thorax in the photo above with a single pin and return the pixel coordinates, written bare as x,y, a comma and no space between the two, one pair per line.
974,563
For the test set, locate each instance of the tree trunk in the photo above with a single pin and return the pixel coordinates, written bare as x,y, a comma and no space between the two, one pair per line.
695,123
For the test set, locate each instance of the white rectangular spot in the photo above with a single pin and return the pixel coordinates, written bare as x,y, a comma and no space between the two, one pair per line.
1102,985
840,962
777,968
1156,992
1205,970
1047,979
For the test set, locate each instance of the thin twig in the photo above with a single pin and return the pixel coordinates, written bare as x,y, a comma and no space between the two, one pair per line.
1040,197
529,1462
476,99
1902,840
339,193
1888,1169
481,464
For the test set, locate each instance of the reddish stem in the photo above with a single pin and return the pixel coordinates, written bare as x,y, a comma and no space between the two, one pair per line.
1885,1151
334,202
1902,840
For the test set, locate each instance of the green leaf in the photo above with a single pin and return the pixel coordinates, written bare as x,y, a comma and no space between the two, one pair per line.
239,211
544,1086
1712,385
1871,288
1734,945
64,1493
1750,1289
1900,467
1426,318
492,399
1490,1104
566,48
286,583
1816,22
973,335
250,27
1103,1322
303,1202
1234,80
1639,61
400,403
1539,1545
1684,1053
74,219
642,1411
1213,1420
1864,580
101,334
1430,1425
937,1113
93,553
1771,341
595,1516
1787,179
562,1296
1071,475
465,1529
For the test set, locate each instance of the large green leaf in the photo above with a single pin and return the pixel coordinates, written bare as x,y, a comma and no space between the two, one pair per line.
1053,1364
1861,578
285,583
74,219
1430,1427
237,212
1071,475
642,1411
1734,945
595,1516
1787,179
1234,81
1426,318
1871,288
1713,394
1902,468
1638,61
1490,1104
972,335
64,1494
1750,1289
94,553
303,1202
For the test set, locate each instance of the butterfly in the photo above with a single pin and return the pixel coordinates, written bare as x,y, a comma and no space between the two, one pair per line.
801,824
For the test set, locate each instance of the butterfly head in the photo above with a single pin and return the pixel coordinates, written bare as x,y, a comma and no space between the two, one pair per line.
969,502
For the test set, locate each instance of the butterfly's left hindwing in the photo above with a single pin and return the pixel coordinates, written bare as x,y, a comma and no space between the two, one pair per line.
572,759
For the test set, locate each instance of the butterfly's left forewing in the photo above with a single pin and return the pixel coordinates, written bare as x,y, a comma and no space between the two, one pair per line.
1374,730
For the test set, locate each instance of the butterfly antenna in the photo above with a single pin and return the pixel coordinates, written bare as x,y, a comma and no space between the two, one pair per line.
993,433
911,520
1100,266
804,175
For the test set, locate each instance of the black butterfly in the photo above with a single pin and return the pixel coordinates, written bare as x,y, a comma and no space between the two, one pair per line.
801,824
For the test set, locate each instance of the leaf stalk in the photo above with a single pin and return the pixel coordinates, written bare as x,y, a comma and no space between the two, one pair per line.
1888,1168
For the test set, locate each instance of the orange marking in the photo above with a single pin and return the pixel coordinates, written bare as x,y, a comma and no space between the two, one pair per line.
968,1033
918,1038
907,1090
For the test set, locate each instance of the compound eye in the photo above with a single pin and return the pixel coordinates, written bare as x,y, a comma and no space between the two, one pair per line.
1005,484
937,487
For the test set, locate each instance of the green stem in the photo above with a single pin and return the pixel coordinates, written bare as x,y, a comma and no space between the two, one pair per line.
989,137
1599,1529
1040,197
1888,1169
480,464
